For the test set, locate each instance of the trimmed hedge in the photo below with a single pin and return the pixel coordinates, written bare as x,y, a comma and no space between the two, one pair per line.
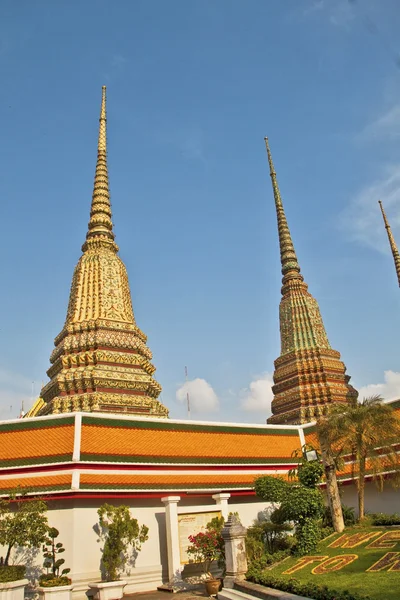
12,573
51,581
293,586
383,519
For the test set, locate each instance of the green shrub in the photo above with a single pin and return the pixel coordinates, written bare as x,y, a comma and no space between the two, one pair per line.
309,473
348,516
308,534
53,581
271,489
383,519
51,548
303,505
23,522
11,573
119,530
293,586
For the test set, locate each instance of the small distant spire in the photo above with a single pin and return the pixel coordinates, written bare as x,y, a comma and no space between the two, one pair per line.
100,224
289,262
393,246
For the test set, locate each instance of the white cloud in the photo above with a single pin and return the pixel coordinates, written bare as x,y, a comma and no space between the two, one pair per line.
385,126
389,389
201,395
339,13
258,396
362,218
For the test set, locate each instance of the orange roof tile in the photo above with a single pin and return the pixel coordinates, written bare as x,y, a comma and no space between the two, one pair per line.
44,482
174,443
166,481
32,443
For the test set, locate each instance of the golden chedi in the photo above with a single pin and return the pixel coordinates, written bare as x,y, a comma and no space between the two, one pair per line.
100,362
309,376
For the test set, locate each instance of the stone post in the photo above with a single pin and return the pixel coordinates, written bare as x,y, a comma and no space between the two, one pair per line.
235,550
222,501
171,522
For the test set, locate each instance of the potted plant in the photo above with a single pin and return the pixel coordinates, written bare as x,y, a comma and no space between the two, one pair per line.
53,584
119,530
205,548
23,524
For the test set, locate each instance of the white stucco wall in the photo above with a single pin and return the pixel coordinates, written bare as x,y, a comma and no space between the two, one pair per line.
76,519
387,501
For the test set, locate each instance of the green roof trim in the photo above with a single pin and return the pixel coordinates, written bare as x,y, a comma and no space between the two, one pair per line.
38,423
40,460
166,425
35,488
132,458
395,404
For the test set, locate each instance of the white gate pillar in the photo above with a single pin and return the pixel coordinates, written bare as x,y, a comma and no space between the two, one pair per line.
171,522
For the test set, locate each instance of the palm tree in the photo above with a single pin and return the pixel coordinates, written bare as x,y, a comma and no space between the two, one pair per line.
365,431
326,437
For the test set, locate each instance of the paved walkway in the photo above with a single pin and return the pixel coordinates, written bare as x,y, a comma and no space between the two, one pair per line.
156,595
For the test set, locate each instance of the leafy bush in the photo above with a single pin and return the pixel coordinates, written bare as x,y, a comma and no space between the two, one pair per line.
11,573
204,548
23,523
310,590
309,473
50,581
266,559
383,519
50,550
271,489
119,530
303,505
308,534
349,517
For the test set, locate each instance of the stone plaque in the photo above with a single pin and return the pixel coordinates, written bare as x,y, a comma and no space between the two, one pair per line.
191,524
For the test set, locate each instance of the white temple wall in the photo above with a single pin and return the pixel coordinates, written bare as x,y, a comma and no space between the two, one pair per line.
387,501
76,519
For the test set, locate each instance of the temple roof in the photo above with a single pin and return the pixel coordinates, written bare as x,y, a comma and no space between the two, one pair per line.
85,454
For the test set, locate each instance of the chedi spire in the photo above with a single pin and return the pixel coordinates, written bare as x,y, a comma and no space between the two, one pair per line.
393,246
308,375
101,362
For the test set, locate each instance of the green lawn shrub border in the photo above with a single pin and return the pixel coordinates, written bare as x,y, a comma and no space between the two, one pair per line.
11,573
293,586
382,519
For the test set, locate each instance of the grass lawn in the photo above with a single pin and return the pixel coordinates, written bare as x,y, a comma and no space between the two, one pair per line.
381,585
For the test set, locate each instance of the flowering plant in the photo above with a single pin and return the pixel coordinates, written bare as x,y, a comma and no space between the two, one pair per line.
205,548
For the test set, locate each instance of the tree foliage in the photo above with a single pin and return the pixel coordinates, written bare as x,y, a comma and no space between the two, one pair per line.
23,522
365,430
271,489
119,530
300,504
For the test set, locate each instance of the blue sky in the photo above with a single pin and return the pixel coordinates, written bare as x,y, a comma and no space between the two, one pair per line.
193,87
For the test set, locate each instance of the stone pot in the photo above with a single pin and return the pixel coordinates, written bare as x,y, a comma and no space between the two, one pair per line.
108,590
13,590
59,592
212,586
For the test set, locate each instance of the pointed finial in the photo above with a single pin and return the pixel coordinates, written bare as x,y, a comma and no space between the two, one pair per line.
100,224
290,265
393,246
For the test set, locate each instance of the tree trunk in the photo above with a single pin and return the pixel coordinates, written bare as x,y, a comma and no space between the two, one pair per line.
7,558
332,488
361,488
